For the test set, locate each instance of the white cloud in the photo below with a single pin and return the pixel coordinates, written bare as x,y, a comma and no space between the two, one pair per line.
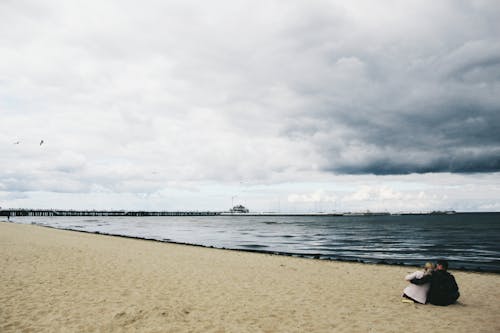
317,196
154,97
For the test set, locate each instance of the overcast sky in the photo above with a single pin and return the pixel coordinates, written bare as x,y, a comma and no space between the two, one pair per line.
277,105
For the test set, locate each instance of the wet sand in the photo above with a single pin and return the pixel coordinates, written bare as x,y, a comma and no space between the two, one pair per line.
63,281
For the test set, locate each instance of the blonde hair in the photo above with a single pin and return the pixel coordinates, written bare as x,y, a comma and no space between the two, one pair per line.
428,268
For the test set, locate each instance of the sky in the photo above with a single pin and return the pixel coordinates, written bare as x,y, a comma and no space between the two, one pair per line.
283,106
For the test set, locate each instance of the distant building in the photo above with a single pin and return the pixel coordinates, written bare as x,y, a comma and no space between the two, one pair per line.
239,209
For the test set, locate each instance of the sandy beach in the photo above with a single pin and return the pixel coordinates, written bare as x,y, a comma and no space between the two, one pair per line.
64,281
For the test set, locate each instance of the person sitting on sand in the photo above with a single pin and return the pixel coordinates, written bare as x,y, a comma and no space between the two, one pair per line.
414,292
444,289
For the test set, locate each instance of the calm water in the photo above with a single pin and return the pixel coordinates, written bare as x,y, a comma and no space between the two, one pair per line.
470,241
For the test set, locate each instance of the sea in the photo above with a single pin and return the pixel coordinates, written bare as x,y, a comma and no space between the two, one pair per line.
469,241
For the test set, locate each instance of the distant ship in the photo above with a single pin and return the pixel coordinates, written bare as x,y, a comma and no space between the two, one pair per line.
443,212
367,213
239,209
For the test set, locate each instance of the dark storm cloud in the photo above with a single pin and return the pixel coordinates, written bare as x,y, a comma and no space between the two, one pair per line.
412,109
454,162
454,137
441,137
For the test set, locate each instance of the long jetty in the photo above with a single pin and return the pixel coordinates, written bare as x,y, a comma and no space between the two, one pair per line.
57,212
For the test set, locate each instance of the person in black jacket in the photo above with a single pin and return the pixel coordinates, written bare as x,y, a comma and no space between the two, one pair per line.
444,288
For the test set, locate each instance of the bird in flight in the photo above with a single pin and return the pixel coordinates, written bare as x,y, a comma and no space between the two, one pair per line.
41,142
17,142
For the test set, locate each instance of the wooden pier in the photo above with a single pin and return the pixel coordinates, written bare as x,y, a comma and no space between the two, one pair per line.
56,212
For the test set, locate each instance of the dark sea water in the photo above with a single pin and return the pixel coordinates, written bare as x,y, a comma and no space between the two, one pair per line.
467,240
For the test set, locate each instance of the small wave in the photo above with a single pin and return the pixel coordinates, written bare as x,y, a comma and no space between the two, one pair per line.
41,224
264,236
254,246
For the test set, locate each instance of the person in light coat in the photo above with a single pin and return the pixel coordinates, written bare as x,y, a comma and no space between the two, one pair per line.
418,293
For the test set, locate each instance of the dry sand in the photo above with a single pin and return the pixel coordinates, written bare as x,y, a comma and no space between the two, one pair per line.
63,281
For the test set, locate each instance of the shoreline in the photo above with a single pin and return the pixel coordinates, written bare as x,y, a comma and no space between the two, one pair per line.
316,256
59,280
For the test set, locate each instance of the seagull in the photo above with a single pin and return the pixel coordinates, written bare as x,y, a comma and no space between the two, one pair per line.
41,142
